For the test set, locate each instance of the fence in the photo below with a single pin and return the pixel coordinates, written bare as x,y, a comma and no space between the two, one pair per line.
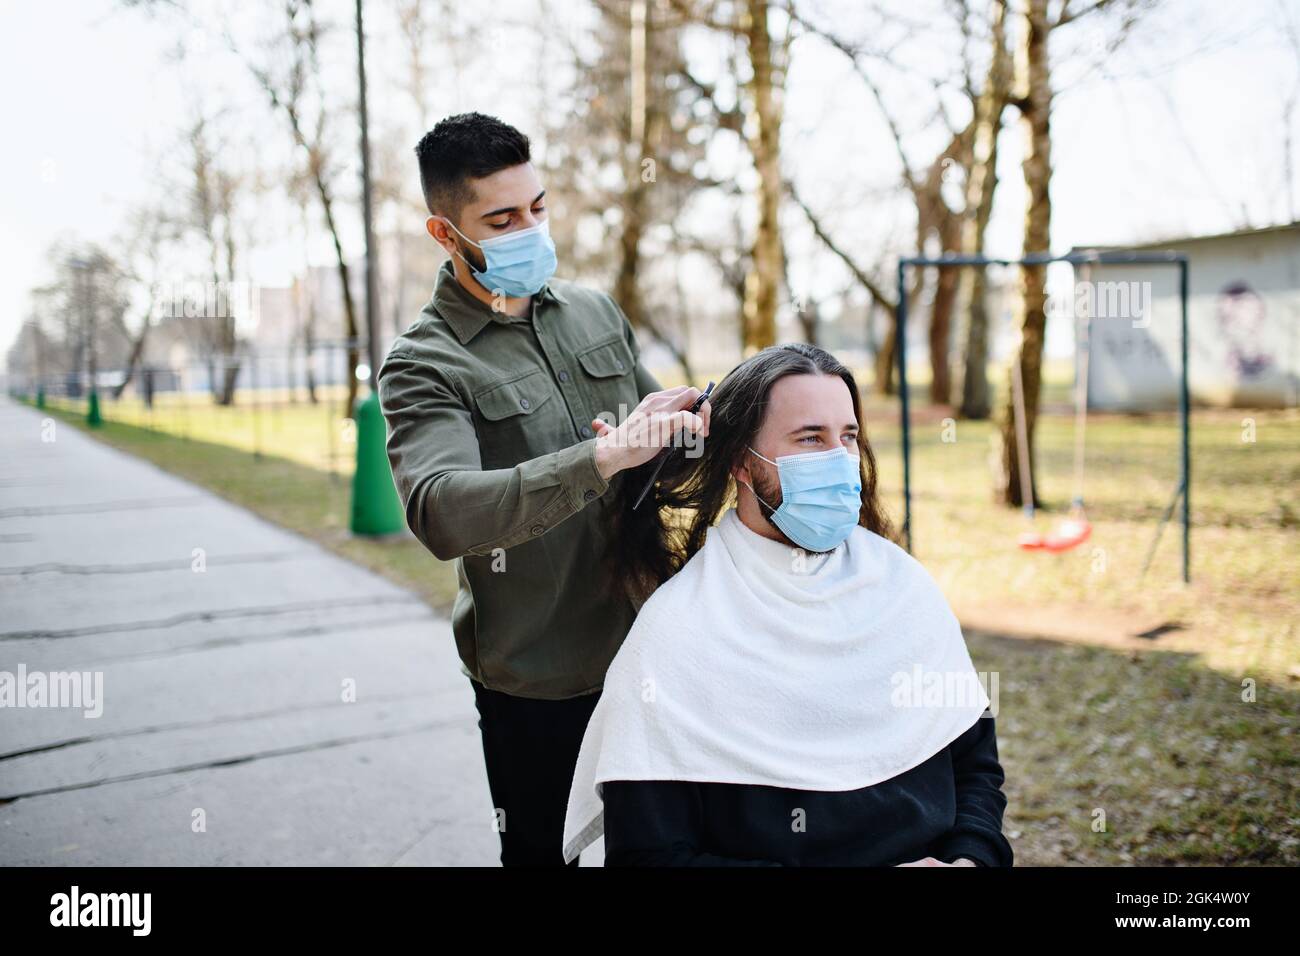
292,402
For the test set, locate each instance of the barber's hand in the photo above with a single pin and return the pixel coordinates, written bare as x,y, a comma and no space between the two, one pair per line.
931,861
651,426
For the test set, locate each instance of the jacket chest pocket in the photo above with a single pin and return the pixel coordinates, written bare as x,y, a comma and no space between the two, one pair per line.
608,368
521,420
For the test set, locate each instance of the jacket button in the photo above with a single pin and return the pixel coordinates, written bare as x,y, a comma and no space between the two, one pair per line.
536,529
586,431
564,376
523,403
619,364
588,495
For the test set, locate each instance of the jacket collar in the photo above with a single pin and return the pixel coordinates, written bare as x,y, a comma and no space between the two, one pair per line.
467,315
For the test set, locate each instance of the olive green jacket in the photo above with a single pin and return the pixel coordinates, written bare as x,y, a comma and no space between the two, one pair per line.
493,454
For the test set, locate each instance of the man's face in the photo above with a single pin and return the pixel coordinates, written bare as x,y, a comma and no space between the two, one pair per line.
1241,316
805,414
506,201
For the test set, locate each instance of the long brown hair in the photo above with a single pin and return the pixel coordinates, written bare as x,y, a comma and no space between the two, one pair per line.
652,543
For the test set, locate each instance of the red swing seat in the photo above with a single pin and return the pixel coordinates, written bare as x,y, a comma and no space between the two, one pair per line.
1069,533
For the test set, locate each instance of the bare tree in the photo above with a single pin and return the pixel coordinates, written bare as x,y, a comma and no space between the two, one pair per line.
938,225
628,156
212,209
287,69
150,232
32,355
1034,98
767,62
82,311
297,94
981,183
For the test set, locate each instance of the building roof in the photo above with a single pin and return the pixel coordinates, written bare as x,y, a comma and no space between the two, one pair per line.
1182,240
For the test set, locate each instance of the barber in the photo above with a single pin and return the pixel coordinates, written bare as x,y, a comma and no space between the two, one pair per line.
505,439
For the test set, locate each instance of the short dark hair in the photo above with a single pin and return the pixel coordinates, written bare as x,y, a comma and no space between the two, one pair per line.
464,147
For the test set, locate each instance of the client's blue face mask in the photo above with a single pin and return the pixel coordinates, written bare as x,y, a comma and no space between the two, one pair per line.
518,263
821,497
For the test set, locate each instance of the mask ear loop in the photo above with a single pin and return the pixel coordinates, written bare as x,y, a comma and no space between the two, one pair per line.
461,234
751,487
474,270
755,494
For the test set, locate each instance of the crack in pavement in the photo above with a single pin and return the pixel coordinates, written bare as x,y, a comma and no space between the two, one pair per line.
192,724
174,564
190,616
217,643
468,721
96,507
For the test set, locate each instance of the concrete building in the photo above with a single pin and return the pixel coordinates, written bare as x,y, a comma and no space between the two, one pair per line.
1243,323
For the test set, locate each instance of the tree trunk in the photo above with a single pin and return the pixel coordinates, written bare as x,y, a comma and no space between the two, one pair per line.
229,336
309,337
945,297
1038,220
981,183
645,141
133,360
349,308
627,288
887,355
935,218
309,347
976,399
766,265
809,316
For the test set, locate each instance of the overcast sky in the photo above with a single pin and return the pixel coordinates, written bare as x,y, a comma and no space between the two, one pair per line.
1180,133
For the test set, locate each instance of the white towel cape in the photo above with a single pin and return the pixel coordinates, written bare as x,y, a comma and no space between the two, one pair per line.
762,664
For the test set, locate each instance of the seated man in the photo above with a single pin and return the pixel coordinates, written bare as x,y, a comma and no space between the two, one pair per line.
795,691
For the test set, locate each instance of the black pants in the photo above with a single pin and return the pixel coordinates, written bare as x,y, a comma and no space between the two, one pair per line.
530,748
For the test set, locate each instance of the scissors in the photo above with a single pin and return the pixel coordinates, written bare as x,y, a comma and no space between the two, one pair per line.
663,454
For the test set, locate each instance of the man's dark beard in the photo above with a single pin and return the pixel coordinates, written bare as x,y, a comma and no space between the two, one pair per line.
766,490
468,253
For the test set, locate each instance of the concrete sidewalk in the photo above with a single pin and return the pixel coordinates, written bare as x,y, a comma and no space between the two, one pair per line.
223,685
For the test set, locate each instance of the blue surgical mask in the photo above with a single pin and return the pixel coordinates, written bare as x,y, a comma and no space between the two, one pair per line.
518,263
821,497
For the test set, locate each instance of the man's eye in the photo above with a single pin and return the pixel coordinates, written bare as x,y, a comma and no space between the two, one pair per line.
499,225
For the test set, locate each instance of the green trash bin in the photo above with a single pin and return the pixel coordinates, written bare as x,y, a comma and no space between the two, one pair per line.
376,508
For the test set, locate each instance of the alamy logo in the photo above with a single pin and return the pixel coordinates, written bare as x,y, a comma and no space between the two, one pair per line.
102,909
84,689
236,299
937,689
647,431
1129,300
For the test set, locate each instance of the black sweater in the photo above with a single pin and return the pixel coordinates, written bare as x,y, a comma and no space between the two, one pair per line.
950,806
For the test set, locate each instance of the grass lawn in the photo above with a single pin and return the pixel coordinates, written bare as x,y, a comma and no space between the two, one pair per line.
1140,720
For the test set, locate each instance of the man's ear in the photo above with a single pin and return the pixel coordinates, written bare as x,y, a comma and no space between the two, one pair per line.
437,227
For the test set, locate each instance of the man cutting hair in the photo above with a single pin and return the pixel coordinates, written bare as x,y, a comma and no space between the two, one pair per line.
497,399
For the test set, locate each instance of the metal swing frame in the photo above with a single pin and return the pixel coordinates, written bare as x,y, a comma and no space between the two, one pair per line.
1042,259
